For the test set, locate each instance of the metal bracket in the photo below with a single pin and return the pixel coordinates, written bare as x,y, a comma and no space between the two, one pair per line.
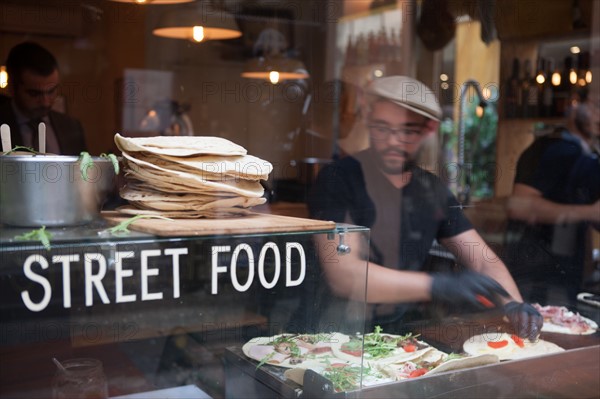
342,247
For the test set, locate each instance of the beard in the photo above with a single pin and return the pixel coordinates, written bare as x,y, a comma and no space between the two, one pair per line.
393,168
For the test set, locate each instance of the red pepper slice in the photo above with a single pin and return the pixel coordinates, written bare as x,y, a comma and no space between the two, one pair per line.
518,340
353,353
498,344
484,301
409,348
417,373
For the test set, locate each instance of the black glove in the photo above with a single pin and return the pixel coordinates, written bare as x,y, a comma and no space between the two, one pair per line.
467,288
525,319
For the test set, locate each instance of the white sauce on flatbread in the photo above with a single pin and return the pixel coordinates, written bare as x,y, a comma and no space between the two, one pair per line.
478,345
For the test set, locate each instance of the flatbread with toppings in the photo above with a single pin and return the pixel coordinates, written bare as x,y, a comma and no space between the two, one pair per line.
295,350
559,319
381,348
434,362
507,346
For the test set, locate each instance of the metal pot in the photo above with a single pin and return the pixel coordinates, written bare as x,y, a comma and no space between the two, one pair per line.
49,190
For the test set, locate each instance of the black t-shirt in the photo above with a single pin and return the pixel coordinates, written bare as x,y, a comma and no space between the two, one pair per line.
564,173
403,222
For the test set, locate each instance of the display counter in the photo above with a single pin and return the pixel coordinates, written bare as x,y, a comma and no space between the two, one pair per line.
167,310
158,310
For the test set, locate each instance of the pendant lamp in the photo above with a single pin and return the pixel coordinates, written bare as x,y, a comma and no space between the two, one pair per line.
272,63
142,2
275,68
197,23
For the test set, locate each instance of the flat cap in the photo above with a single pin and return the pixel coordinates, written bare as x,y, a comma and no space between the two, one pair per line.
408,93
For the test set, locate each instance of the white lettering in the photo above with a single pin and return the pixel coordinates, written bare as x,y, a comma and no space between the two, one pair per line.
261,265
216,269
146,296
176,252
234,278
288,264
94,279
121,273
36,307
66,275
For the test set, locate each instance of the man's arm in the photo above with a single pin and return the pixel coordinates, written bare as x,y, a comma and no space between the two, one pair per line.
471,250
347,275
527,204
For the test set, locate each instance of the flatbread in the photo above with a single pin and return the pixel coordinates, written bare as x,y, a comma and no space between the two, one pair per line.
209,213
479,345
248,188
559,319
179,146
398,354
237,166
262,349
184,202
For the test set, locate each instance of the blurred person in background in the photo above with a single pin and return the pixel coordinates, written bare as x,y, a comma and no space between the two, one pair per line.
33,82
555,198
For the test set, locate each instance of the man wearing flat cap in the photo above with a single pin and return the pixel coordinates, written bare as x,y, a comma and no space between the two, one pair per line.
407,209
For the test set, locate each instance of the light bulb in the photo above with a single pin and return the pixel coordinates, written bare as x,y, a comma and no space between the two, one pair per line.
198,33
3,77
274,77
573,77
479,111
140,1
588,76
540,78
556,79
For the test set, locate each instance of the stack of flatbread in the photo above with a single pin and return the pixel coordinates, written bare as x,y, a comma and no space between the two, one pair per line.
190,177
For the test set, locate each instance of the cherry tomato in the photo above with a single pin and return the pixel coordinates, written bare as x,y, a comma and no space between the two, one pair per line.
409,348
518,340
497,345
417,373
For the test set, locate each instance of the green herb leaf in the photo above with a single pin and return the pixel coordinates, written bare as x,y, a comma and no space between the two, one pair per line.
265,359
86,162
40,235
123,227
113,159
20,147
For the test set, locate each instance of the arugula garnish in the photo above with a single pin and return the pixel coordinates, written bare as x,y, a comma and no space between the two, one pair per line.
344,378
265,360
112,158
86,162
20,147
123,227
40,235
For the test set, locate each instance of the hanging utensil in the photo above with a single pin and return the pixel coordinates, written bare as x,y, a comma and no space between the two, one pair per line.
42,137
5,133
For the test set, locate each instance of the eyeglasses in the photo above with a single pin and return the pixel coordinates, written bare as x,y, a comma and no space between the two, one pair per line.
409,135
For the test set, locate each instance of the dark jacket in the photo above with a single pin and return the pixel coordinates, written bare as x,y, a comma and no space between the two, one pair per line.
69,131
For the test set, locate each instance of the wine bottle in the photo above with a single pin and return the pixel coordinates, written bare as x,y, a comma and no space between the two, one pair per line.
529,93
546,92
562,92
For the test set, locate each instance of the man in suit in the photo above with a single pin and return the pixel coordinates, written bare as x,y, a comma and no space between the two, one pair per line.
33,79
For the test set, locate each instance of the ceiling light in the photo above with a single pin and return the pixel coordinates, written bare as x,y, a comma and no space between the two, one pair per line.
197,23
275,69
3,77
575,50
153,1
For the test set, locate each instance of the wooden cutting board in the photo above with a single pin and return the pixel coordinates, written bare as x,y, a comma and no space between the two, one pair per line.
249,224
